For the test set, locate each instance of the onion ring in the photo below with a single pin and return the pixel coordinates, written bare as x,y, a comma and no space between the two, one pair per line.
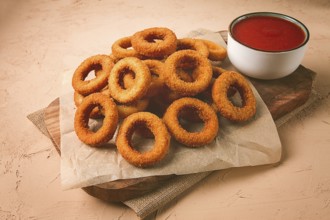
207,94
102,65
156,69
216,52
202,70
166,96
113,58
184,75
141,83
124,110
226,108
122,48
193,44
128,80
205,112
96,113
217,71
159,130
110,121
154,42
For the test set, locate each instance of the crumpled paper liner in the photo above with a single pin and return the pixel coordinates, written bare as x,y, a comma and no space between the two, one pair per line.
147,204
247,144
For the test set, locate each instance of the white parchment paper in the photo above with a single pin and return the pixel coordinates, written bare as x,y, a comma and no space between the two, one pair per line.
245,144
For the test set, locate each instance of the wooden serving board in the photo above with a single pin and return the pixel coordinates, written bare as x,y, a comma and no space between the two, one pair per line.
281,97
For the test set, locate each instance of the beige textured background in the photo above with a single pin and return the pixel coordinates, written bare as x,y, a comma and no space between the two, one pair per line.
41,40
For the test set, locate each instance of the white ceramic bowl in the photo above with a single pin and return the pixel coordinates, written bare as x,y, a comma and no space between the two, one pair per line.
263,64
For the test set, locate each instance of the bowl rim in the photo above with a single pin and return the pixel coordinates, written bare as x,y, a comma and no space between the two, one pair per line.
270,14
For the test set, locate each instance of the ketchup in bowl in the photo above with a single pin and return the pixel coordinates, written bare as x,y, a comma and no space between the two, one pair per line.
266,45
269,33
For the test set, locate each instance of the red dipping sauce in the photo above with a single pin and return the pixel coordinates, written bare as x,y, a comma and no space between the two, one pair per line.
268,33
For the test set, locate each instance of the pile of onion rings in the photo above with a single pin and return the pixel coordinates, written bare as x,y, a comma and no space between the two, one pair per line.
154,85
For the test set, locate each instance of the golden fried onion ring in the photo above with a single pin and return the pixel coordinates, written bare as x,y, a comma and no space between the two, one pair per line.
159,130
192,139
141,83
124,110
110,121
122,48
193,44
156,69
154,42
226,108
202,71
96,113
102,65
216,51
